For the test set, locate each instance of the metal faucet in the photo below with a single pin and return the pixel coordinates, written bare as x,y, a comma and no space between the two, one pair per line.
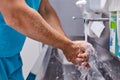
90,19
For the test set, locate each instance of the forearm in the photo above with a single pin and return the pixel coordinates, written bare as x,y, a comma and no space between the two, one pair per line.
30,23
53,20
49,14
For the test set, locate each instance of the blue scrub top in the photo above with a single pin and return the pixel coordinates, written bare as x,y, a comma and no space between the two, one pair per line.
11,41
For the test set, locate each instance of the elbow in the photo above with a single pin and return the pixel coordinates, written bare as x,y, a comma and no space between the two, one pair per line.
11,12
10,19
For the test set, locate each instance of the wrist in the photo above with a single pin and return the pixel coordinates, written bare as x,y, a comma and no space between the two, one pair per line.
68,46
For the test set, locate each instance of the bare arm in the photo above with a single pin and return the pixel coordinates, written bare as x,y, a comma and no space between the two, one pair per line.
27,21
49,14
30,23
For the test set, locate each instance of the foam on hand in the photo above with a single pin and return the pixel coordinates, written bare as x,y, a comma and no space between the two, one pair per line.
84,70
90,51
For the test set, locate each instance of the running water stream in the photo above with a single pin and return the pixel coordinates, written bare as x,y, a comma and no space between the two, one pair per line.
93,73
104,66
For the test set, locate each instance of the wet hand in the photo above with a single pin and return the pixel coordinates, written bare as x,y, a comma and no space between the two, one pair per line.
79,53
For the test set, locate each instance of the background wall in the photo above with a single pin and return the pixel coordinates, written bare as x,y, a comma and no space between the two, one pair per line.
66,9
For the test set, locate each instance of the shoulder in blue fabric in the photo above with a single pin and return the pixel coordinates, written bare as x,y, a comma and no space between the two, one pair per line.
33,4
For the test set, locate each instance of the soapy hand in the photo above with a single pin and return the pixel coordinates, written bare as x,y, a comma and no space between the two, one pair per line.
79,53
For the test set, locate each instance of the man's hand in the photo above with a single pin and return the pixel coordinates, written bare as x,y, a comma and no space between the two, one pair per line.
77,53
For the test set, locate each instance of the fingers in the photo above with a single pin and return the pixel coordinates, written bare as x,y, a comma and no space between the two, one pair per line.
80,59
86,64
80,53
84,55
81,62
